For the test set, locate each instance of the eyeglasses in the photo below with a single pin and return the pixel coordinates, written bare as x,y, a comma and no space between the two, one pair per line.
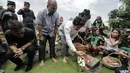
19,32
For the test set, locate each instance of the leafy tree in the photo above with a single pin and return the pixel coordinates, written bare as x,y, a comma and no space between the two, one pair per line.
120,17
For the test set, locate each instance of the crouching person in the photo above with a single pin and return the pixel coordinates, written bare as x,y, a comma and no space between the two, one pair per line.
67,33
20,40
111,44
3,49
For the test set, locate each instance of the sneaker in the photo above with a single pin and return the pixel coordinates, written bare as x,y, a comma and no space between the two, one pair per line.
1,70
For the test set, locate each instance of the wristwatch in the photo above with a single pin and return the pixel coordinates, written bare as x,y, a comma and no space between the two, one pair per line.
22,48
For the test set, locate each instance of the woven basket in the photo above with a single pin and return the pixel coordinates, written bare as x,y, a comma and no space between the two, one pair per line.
109,65
80,47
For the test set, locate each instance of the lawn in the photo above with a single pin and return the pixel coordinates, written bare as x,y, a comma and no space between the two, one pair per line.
51,67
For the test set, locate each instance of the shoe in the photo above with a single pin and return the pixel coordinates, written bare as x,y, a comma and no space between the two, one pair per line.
1,70
28,68
17,67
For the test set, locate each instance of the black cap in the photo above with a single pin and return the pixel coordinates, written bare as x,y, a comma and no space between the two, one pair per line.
26,3
11,3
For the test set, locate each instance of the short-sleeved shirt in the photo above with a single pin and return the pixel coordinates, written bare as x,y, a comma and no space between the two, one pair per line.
29,35
48,21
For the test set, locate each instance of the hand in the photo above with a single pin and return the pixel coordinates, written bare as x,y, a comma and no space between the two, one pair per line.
80,53
19,52
41,38
14,51
54,36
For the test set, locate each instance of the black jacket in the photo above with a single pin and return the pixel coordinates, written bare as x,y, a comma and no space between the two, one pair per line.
7,15
28,15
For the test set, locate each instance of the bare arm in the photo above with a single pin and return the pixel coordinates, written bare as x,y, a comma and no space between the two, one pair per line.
105,45
114,43
28,44
13,48
40,29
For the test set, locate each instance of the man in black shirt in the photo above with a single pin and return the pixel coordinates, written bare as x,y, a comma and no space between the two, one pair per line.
28,16
20,40
8,14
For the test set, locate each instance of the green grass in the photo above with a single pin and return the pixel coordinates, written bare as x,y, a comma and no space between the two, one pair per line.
51,67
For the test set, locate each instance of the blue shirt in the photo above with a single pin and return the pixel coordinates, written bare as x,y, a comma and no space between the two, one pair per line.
48,21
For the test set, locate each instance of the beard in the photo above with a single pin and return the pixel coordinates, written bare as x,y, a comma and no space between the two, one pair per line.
51,13
26,9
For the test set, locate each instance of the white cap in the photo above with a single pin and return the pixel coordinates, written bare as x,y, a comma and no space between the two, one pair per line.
128,30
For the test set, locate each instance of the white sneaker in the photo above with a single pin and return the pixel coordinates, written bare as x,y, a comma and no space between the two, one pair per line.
2,71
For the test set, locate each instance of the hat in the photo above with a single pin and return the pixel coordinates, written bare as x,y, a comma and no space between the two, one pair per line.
128,30
11,3
26,3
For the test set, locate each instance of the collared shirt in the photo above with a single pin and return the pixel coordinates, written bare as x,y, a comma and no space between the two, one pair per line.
69,32
48,21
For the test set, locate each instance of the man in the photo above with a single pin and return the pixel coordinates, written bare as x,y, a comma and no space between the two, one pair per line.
8,14
28,16
61,20
84,31
98,23
125,41
1,10
48,21
3,49
20,40
68,32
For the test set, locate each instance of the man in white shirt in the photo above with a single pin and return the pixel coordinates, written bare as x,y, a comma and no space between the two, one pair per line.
85,30
68,31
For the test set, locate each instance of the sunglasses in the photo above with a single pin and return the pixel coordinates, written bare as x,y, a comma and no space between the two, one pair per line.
19,32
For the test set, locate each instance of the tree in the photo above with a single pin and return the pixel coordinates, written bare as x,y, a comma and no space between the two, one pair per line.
120,17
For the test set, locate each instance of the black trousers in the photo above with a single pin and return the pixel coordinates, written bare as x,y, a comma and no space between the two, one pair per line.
107,52
29,25
30,54
42,49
